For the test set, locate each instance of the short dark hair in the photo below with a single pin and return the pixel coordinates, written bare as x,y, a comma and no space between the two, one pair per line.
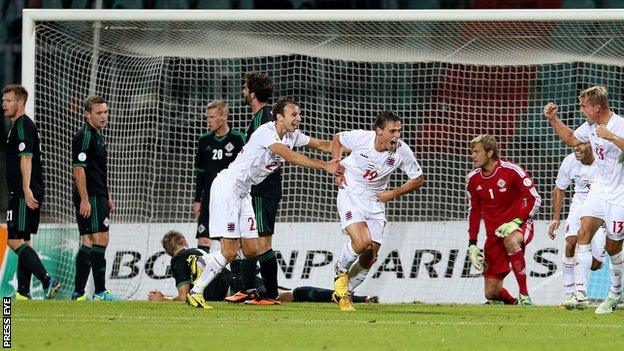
92,100
19,91
260,84
384,118
171,241
280,105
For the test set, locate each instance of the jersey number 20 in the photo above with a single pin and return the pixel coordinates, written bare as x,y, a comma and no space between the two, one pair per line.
217,154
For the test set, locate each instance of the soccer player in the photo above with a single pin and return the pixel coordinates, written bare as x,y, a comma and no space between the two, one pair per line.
605,201
26,191
184,259
503,194
92,199
257,90
215,151
363,195
578,168
231,212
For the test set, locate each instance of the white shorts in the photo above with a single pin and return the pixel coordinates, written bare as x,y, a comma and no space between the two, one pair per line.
612,215
231,213
353,209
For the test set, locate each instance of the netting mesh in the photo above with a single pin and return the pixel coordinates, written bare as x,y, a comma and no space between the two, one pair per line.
448,81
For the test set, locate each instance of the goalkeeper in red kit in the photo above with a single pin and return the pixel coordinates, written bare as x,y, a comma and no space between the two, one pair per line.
503,194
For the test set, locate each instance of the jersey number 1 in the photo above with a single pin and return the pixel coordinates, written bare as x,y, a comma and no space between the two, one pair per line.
491,193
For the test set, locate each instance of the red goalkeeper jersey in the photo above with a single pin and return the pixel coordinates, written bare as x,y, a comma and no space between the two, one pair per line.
500,197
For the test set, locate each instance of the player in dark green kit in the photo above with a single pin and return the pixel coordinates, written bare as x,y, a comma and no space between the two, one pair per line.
257,90
184,271
26,190
92,199
215,151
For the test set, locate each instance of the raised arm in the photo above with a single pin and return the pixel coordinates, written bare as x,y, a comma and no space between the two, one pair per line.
304,161
320,145
565,133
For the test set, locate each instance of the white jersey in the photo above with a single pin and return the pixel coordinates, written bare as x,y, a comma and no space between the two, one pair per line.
609,178
256,161
367,170
574,171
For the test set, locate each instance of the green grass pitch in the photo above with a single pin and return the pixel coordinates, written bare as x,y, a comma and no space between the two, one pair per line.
67,325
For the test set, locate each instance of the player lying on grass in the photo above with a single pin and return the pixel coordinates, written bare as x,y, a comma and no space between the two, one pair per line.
187,263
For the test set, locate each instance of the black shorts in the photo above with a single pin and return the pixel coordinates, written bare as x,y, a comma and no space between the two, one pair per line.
98,222
21,220
266,212
202,222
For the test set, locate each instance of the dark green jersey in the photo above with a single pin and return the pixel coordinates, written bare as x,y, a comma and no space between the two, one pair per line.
89,152
270,187
214,154
24,140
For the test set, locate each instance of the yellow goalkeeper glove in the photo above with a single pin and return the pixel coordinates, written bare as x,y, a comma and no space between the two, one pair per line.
508,228
476,257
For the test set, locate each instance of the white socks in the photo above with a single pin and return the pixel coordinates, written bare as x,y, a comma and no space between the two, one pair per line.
357,275
583,260
568,275
213,267
617,267
347,258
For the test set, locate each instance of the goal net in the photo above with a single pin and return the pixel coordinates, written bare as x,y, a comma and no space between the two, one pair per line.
450,76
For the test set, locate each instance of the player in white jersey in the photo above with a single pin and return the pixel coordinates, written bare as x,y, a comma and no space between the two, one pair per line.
577,168
231,213
605,201
363,194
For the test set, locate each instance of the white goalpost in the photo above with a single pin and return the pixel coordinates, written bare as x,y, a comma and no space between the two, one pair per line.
450,75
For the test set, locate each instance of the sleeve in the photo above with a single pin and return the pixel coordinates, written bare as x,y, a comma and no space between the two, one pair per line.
25,134
200,179
80,148
409,165
266,137
582,132
528,190
563,180
351,138
474,212
300,139
180,274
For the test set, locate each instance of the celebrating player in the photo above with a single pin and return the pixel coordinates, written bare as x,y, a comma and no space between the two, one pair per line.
503,194
363,194
577,168
215,151
231,212
605,201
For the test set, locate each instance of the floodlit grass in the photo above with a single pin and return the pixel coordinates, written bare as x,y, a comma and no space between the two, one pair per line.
67,325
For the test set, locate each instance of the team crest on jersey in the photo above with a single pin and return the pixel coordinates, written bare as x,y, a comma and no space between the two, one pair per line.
229,147
201,228
106,222
231,227
391,161
501,184
349,215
